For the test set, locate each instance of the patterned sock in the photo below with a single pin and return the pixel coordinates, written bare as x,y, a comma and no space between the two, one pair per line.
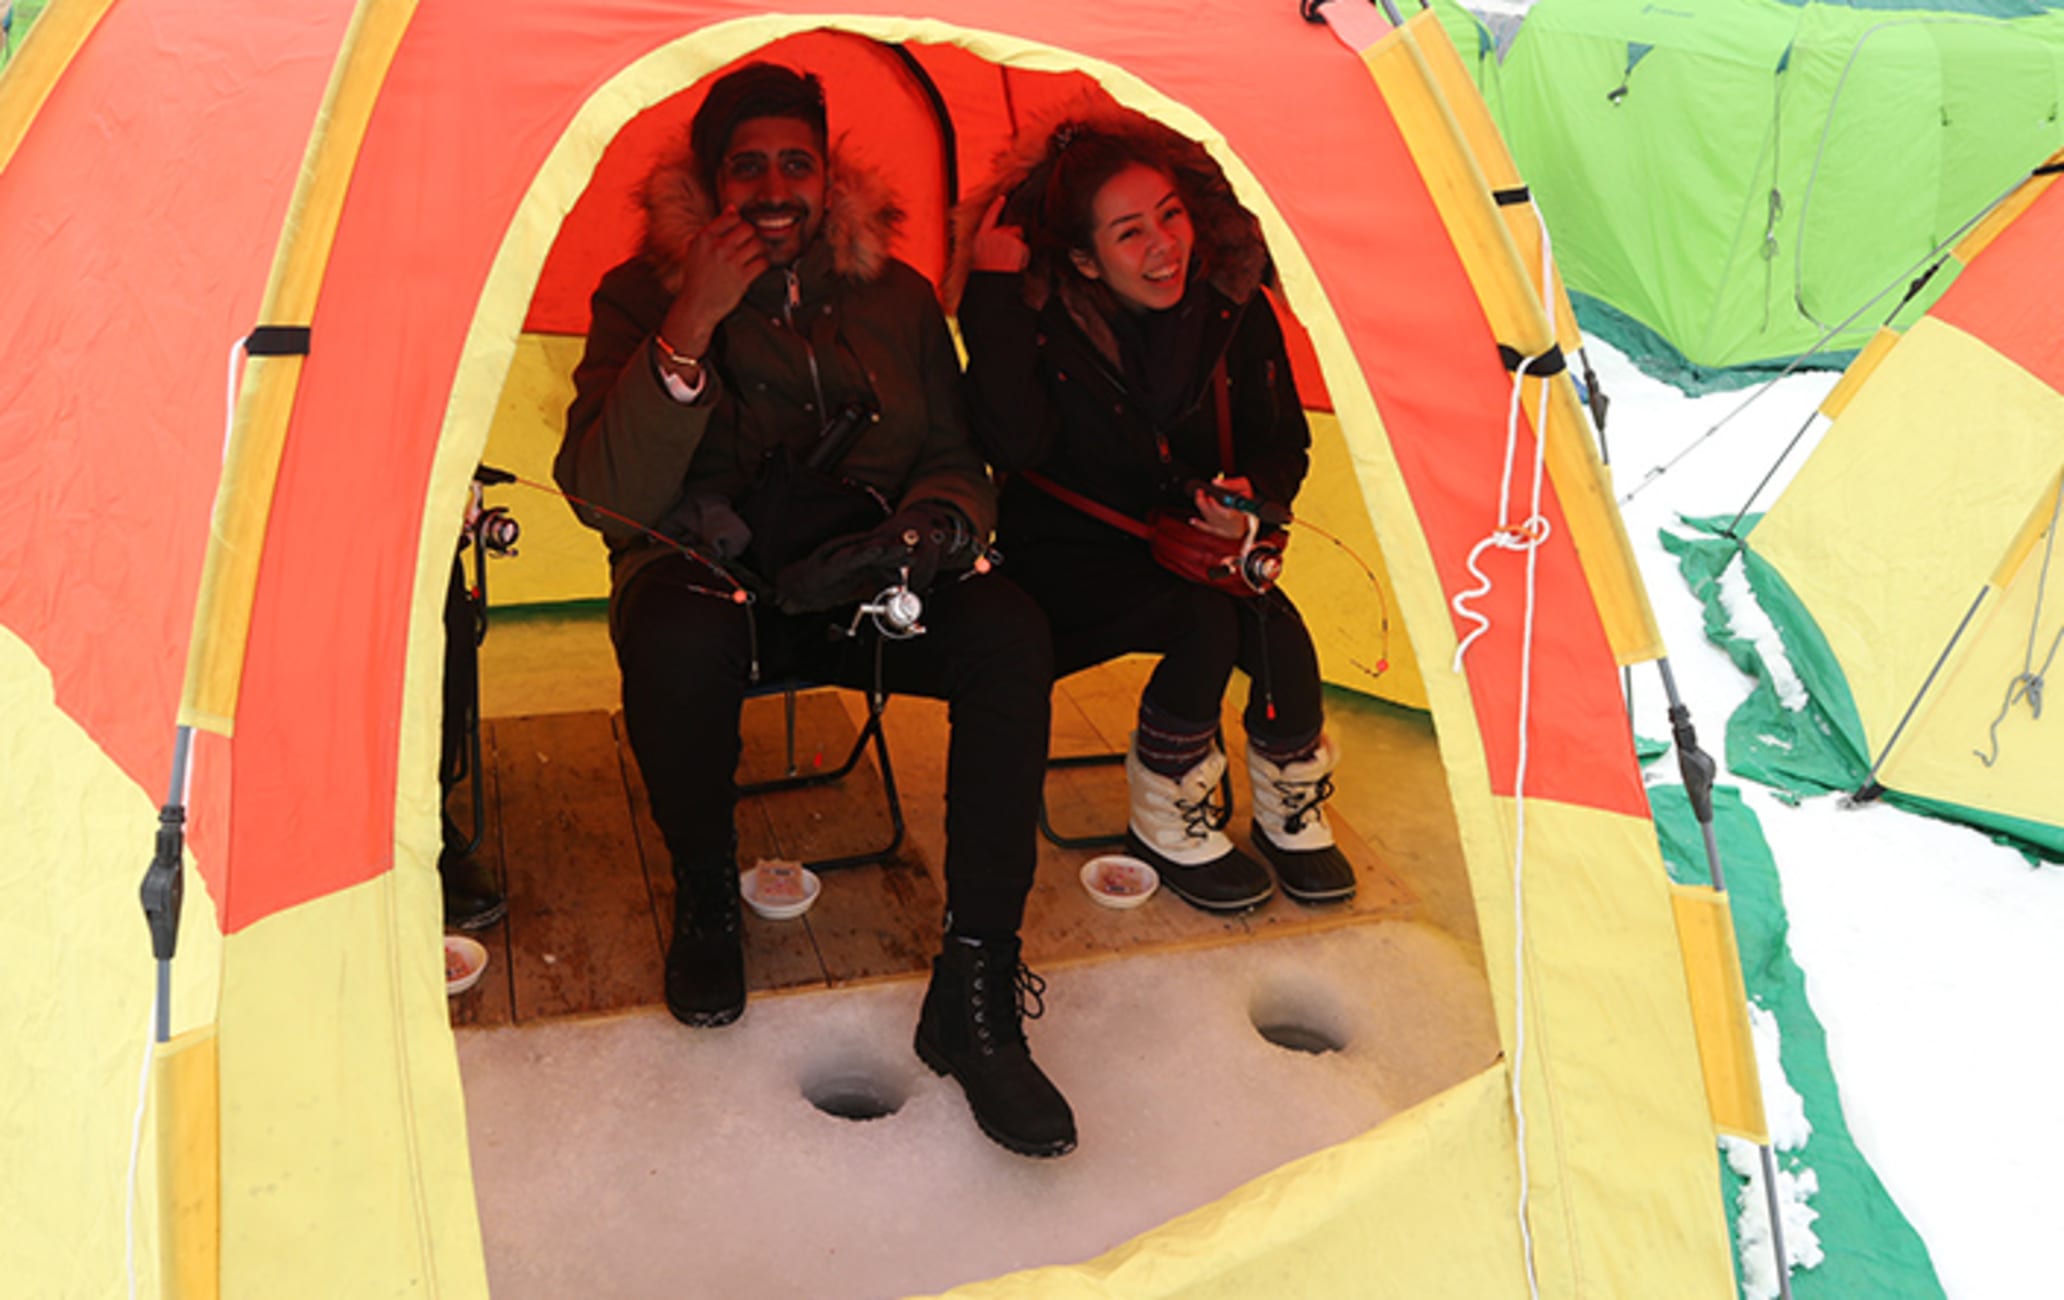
1170,745
1285,751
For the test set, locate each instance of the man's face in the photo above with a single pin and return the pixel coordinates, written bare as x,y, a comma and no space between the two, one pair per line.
773,173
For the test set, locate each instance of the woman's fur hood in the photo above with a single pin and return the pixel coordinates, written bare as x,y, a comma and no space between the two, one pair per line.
861,214
1229,246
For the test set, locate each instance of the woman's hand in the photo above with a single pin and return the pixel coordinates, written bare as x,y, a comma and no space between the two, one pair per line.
999,247
1223,520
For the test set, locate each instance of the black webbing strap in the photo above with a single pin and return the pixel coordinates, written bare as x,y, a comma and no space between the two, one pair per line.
1551,362
1513,197
278,341
2048,169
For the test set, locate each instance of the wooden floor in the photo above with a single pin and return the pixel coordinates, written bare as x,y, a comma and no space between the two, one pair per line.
591,898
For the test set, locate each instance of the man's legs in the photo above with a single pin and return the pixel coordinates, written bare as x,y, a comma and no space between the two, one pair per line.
684,658
986,652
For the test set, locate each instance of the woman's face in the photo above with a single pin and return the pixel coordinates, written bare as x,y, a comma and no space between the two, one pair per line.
1140,239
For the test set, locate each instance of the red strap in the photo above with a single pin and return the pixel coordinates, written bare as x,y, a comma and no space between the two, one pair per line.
1126,523
1094,509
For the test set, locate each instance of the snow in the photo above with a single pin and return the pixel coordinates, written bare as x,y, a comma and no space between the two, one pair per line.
1784,1110
1932,955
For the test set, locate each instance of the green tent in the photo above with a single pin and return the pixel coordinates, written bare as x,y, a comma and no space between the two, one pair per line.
1728,181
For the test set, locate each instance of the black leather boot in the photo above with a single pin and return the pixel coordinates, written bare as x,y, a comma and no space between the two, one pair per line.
471,901
705,963
972,1028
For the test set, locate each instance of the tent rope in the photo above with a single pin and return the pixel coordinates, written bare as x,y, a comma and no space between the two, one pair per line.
2028,683
1524,535
1508,535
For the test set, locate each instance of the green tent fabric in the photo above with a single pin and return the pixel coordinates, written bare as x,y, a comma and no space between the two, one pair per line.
15,20
1728,180
1870,1249
1818,747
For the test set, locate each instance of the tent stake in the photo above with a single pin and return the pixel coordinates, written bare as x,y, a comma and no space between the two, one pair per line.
1698,768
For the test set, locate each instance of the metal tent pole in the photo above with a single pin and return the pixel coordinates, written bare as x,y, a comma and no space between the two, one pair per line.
1698,768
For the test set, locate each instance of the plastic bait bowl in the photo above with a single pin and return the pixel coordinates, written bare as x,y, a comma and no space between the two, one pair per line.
1115,880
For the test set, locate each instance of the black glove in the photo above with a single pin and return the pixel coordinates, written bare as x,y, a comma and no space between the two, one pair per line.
923,538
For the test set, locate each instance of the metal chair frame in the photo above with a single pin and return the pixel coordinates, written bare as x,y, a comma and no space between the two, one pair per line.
1116,839
795,779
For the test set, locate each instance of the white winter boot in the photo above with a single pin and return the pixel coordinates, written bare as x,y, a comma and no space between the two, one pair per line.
1290,825
1174,829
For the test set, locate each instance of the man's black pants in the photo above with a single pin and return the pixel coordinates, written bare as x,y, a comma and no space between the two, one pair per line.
686,658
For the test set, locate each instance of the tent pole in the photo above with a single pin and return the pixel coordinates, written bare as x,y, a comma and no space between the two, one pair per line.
164,886
1870,788
1698,768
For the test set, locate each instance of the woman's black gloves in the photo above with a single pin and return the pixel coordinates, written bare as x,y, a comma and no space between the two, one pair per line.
925,538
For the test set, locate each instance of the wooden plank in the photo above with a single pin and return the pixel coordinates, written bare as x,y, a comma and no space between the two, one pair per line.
778,954
876,922
1062,923
591,887
1083,801
492,1000
580,917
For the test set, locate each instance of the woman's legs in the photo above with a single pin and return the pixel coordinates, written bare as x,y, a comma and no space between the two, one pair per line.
1290,759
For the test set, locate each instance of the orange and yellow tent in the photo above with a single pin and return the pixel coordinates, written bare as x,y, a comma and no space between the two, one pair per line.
1912,567
270,271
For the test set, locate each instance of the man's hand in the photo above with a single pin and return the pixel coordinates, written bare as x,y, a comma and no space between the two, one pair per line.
923,538
721,262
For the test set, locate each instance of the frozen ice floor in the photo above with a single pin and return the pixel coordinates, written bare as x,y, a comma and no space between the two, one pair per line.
632,1157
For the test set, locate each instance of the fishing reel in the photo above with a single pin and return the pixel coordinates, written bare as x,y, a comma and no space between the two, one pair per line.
896,611
492,528
1260,562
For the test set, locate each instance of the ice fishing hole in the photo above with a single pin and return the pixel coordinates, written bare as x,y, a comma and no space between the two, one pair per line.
855,1088
1301,1015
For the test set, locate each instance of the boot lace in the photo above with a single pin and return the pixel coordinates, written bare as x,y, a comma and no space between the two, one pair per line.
1301,800
1028,1002
1205,814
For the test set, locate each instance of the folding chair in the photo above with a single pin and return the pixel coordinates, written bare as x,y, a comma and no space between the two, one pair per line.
795,779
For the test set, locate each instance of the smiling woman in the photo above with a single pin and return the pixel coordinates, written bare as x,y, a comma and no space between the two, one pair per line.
1127,371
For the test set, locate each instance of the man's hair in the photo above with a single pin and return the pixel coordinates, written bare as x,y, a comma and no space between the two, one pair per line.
755,90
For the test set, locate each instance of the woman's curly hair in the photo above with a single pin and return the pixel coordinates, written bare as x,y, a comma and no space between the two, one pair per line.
1049,181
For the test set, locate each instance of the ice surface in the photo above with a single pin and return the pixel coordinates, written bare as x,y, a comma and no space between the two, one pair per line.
633,1157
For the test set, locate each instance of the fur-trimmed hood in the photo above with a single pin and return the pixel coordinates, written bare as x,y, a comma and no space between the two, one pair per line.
861,214
1230,251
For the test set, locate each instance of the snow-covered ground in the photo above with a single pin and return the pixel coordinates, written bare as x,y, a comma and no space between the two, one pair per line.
1932,955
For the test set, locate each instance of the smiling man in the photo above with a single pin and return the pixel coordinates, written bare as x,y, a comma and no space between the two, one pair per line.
767,428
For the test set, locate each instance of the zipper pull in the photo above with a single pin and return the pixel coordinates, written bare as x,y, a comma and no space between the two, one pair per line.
795,292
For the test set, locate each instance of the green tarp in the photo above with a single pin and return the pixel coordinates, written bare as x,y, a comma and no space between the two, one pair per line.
1870,1249
1819,747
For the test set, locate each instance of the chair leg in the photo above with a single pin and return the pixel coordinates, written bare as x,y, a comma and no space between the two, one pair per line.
1117,839
1046,826
871,733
